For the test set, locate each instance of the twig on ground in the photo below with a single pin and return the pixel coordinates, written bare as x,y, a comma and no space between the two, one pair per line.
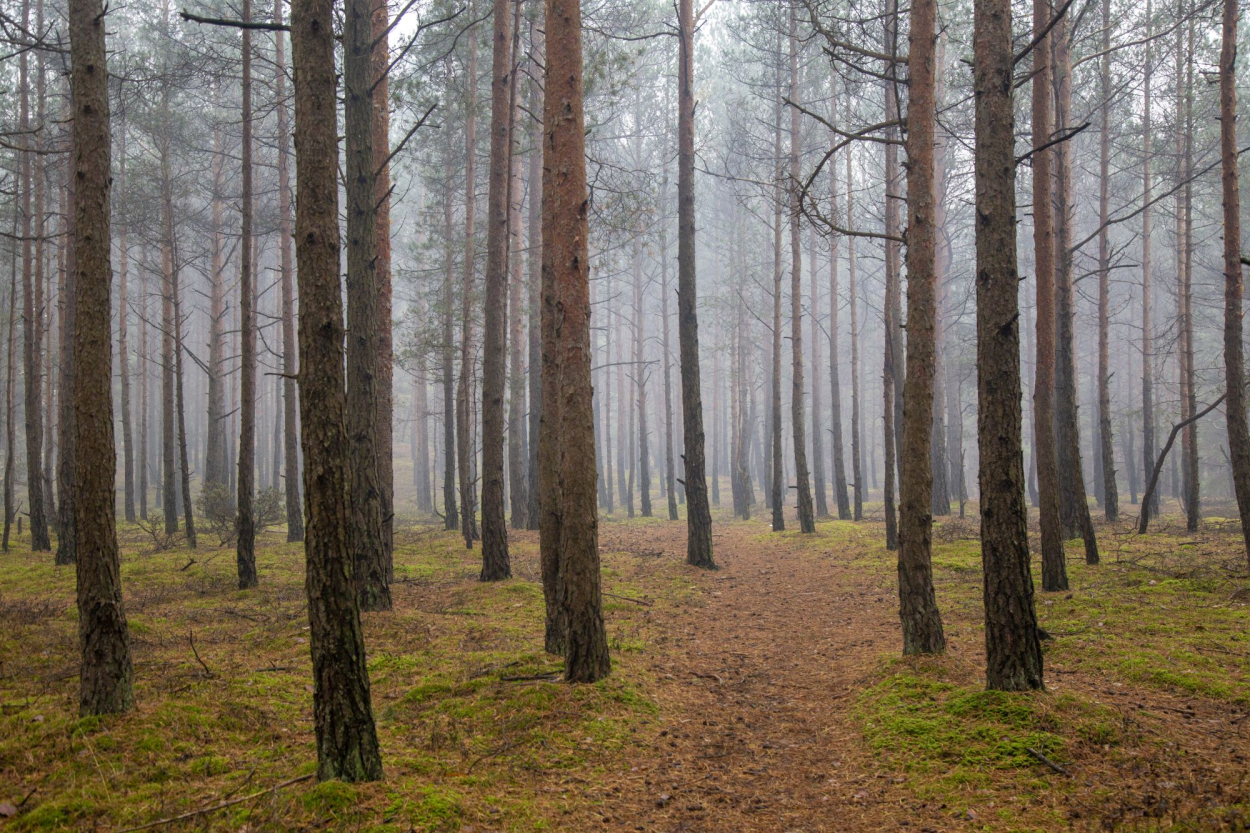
219,806
208,672
1046,761
628,599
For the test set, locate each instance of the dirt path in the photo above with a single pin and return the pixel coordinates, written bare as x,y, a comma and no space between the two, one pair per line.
760,680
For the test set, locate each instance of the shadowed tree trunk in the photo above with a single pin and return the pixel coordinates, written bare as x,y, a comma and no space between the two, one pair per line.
518,487
803,488
698,515
10,438
384,384
347,744
1013,652
534,267
66,543
1234,361
105,675
565,272
891,369
363,323
922,623
1189,440
1147,337
290,395
1073,504
245,523
495,563
1054,570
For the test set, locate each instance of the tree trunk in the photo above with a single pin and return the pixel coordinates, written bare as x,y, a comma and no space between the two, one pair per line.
640,389
1234,362
245,524
363,316
1073,504
347,745
1054,569
857,458
10,439
290,395
451,520
123,351
518,485
818,447
1111,495
185,464
495,563
1193,500
534,269
777,480
1147,338
1013,651
31,341
669,475
566,261
384,384
67,308
105,676
464,386
922,623
698,515
890,371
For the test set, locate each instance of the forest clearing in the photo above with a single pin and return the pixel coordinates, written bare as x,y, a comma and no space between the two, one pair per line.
767,695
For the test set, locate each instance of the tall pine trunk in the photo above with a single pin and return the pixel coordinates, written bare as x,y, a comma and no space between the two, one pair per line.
245,523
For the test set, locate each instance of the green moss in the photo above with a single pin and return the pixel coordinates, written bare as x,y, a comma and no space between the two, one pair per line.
330,798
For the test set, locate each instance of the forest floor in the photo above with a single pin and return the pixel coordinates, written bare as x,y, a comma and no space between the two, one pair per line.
766,695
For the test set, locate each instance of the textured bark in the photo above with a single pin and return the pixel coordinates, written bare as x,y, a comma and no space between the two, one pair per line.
1013,651
363,321
215,464
1111,495
1073,504
891,371
518,483
347,745
144,365
123,326
1234,358
698,515
10,432
918,611
384,382
777,480
31,336
105,675
939,450
857,474
290,394
566,262
1184,214
169,471
466,450
245,523
1054,569
802,484
495,563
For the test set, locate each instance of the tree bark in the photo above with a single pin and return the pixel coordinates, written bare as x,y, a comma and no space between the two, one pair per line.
534,268
106,674
818,447
518,486
835,378
1234,360
1054,569
922,622
566,262
1073,504
1147,337
1013,651
363,316
669,476
384,384
857,474
451,520
495,563
123,326
698,515
347,745
1111,495
184,468
67,304
891,370
777,480
464,385
803,488
245,524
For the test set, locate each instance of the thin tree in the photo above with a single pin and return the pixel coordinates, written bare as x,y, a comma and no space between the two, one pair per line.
892,361
1054,570
1111,495
347,744
835,379
105,673
1013,651
385,381
922,623
857,459
1147,337
803,487
495,563
245,523
67,303
123,325
698,515
464,385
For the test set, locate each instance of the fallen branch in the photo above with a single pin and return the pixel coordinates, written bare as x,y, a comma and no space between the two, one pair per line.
1143,520
716,677
208,672
627,599
1047,761
220,806
550,675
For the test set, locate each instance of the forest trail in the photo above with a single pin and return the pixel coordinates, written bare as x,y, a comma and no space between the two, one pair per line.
757,686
